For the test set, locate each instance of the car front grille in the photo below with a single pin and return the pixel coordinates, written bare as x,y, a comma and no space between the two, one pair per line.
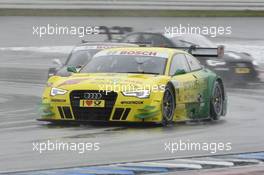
92,113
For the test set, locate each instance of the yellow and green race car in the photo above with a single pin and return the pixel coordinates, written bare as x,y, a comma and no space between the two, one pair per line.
139,84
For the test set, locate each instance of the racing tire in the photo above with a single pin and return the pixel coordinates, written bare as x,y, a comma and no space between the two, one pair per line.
216,102
168,106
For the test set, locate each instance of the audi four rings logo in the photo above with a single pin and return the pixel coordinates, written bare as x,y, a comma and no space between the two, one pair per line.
95,96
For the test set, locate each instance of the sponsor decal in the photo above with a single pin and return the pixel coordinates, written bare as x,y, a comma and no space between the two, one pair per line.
92,103
133,52
132,102
58,100
95,47
147,112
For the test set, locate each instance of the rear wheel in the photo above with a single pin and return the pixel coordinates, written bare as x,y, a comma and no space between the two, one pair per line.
216,105
168,106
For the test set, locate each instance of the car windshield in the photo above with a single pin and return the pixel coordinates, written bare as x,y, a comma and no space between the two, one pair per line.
188,40
81,57
126,64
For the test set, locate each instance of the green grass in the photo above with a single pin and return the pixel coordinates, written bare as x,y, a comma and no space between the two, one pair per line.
130,13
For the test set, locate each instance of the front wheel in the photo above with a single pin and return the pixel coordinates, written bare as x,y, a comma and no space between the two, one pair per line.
168,106
217,101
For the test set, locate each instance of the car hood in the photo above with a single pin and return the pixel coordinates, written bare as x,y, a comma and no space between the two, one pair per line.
63,72
106,81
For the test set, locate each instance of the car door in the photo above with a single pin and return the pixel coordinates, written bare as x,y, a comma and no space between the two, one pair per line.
182,79
200,87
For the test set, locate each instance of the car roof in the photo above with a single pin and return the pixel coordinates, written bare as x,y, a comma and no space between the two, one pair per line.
191,35
103,43
159,32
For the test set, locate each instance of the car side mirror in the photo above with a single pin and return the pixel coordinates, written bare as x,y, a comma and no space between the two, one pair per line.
180,72
220,51
57,62
72,69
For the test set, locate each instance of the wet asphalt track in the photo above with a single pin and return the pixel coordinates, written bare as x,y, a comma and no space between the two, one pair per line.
19,99
22,77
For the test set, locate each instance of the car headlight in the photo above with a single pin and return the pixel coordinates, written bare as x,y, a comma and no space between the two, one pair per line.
139,94
57,91
215,63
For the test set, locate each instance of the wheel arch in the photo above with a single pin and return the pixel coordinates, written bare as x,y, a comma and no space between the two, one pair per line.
211,86
170,84
211,82
222,86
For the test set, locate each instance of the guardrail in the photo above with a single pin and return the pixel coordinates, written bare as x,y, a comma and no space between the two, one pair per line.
135,4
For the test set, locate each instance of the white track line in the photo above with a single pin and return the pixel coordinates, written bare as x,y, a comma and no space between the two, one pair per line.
15,111
206,162
237,160
18,128
7,116
163,165
45,49
17,122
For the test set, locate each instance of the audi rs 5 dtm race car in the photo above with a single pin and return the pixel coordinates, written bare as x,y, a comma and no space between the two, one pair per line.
136,84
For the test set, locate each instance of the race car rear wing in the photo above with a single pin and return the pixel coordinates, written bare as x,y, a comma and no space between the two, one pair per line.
203,51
